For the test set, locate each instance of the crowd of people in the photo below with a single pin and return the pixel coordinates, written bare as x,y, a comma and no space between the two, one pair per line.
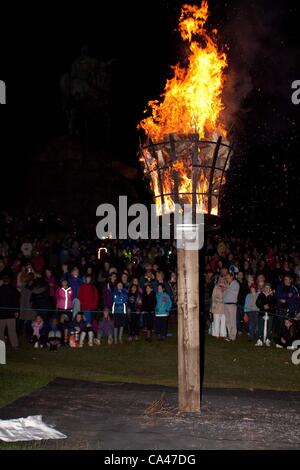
69,291
253,292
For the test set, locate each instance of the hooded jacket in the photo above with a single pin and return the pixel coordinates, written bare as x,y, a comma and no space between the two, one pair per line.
163,304
119,301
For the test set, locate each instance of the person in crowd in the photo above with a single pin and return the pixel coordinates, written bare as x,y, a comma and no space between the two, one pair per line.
21,278
135,282
40,296
80,326
134,304
50,278
64,272
107,291
266,304
230,298
287,299
162,311
251,310
287,335
124,280
64,326
39,332
173,289
54,336
119,311
9,311
148,307
147,278
217,310
105,328
75,282
208,286
27,314
64,298
160,279
89,272
287,296
103,273
243,291
38,262
88,298
297,271
260,283
26,249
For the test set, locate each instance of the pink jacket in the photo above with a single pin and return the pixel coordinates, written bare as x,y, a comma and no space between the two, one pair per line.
64,298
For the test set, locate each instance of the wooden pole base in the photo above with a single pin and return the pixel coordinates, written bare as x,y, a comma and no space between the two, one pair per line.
188,331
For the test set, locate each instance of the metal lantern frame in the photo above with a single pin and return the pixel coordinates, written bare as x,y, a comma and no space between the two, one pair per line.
196,155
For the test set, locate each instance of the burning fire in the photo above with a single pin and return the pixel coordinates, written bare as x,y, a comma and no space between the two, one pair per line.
192,98
190,104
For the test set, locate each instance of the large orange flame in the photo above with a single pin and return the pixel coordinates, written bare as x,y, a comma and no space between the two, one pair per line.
192,100
191,104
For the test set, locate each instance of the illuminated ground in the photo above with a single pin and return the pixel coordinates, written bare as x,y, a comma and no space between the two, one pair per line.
239,365
116,416
240,418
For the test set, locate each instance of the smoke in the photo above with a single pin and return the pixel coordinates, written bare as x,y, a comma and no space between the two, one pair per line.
258,58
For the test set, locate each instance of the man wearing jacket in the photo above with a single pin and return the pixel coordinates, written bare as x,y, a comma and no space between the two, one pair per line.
9,306
287,296
287,301
230,305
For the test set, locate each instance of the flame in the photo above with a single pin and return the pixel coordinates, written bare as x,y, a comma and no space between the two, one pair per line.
191,103
192,100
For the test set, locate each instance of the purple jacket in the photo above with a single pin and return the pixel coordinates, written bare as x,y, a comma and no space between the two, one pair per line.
106,326
75,283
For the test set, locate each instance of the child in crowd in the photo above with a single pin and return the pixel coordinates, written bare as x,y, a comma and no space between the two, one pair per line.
119,311
54,338
105,328
287,335
162,310
251,309
64,327
80,327
39,332
64,298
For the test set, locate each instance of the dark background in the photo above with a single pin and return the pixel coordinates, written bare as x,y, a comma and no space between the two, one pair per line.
38,45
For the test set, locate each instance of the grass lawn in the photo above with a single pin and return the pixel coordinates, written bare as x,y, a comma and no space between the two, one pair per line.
238,365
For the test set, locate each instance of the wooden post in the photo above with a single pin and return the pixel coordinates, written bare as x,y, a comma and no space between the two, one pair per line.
188,330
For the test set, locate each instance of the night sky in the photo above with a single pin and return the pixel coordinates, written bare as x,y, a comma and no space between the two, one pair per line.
39,44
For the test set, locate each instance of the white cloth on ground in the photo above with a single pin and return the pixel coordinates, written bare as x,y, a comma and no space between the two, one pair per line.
31,428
